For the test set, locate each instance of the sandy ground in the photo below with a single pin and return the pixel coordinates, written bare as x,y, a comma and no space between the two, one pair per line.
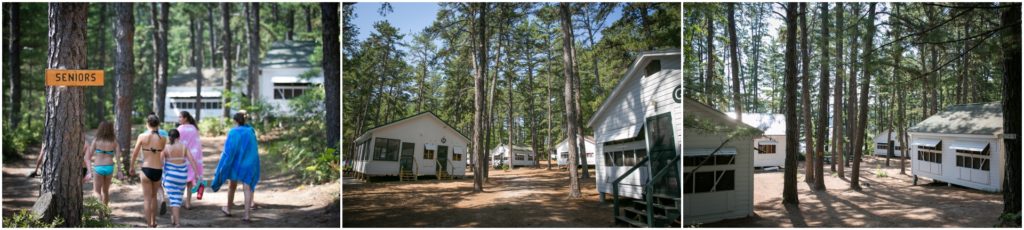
281,201
524,197
891,201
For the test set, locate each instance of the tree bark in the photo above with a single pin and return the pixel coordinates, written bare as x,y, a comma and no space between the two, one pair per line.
253,21
12,51
819,162
332,70
213,34
851,102
837,107
570,108
290,23
309,18
858,150
196,37
735,63
478,98
160,22
61,193
710,73
225,20
805,87
1011,113
789,195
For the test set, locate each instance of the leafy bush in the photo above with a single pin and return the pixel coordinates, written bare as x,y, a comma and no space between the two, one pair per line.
215,126
880,173
301,142
16,140
25,219
95,214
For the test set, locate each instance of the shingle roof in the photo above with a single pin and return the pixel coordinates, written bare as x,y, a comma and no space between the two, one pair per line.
978,119
289,54
186,76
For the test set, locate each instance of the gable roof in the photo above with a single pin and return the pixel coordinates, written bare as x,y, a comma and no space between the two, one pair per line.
587,138
770,124
696,108
186,77
977,119
427,113
630,76
289,54
517,148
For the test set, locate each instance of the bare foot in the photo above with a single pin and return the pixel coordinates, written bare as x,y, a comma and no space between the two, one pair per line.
225,211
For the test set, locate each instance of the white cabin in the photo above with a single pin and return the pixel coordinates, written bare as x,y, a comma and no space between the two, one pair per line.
286,73
723,187
882,144
770,147
962,145
642,117
181,93
563,152
421,143
524,156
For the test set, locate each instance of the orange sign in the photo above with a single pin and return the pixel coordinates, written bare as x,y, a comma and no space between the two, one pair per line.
70,77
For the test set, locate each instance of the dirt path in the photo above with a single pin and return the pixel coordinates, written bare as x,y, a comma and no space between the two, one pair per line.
525,197
281,201
889,201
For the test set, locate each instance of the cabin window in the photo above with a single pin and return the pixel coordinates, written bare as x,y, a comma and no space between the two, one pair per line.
520,157
652,68
640,154
717,160
457,157
530,157
286,91
882,145
617,158
710,181
628,158
607,158
973,159
565,155
766,149
386,149
428,154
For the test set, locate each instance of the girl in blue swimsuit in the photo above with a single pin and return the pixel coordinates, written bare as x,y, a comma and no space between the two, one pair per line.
100,160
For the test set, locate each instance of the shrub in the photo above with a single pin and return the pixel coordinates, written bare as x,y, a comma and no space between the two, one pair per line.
215,126
25,219
301,143
95,214
17,140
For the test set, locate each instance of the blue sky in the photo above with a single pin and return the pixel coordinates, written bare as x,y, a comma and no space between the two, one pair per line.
411,18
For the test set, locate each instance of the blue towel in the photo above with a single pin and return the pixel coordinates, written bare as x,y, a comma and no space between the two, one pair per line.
240,160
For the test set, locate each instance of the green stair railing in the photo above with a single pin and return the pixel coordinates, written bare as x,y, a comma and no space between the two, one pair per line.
615,185
649,187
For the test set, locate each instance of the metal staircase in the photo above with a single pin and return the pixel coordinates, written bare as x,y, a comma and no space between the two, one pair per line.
654,210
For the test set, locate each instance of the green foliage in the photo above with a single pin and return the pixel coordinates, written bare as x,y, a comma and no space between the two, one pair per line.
97,215
17,140
301,141
880,173
1012,219
25,219
216,126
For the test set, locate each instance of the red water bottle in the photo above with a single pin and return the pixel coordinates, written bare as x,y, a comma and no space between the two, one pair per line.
200,194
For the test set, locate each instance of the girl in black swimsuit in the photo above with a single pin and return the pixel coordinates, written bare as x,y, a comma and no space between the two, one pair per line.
150,144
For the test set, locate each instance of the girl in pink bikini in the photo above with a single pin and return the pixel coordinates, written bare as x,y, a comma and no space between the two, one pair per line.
189,131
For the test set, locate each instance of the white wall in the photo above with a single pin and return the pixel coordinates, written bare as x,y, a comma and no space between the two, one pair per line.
503,151
267,85
420,131
776,159
948,171
563,147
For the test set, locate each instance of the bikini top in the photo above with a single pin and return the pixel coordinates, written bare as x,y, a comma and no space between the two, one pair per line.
154,150
111,152
182,157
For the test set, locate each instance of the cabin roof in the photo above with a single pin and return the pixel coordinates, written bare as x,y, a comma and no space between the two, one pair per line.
517,148
630,76
427,113
976,119
696,108
770,124
587,138
186,77
289,54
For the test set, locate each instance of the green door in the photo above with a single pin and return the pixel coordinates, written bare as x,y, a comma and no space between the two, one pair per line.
661,149
442,157
405,161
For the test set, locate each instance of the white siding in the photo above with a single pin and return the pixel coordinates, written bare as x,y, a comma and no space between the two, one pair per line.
421,130
564,148
948,171
502,150
266,85
765,159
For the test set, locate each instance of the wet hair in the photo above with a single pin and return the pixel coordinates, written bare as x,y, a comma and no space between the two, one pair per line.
152,120
188,116
105,131
174,135
239,118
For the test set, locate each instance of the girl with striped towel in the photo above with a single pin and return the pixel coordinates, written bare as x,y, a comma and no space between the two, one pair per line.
177,159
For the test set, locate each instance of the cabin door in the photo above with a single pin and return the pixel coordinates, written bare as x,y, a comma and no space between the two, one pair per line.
661,149
405,161
442,157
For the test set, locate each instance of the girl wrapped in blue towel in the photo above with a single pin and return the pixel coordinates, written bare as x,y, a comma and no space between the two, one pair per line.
240,162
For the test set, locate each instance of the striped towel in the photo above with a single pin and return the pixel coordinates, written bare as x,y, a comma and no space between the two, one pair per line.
175,176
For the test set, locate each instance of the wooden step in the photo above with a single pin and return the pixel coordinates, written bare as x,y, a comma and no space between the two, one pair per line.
656,205
664,196
633,223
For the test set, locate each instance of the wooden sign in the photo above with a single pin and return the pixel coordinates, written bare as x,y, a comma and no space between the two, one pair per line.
70,77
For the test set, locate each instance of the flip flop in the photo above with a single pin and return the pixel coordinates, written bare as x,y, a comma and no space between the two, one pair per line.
225,211
163,208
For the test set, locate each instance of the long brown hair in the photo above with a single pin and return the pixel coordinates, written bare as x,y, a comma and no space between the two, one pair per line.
105,132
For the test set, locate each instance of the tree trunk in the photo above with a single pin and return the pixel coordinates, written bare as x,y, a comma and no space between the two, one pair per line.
710,73
735,63
213,34
819,162
837,107
332,70
61,193
851,102
901,112
478,98
858,151
160,23
253,21
196,37
1011,113
529,106
225,20
789,195
290,23
511,149
547,100
309,18
570,108
12,53
805,87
